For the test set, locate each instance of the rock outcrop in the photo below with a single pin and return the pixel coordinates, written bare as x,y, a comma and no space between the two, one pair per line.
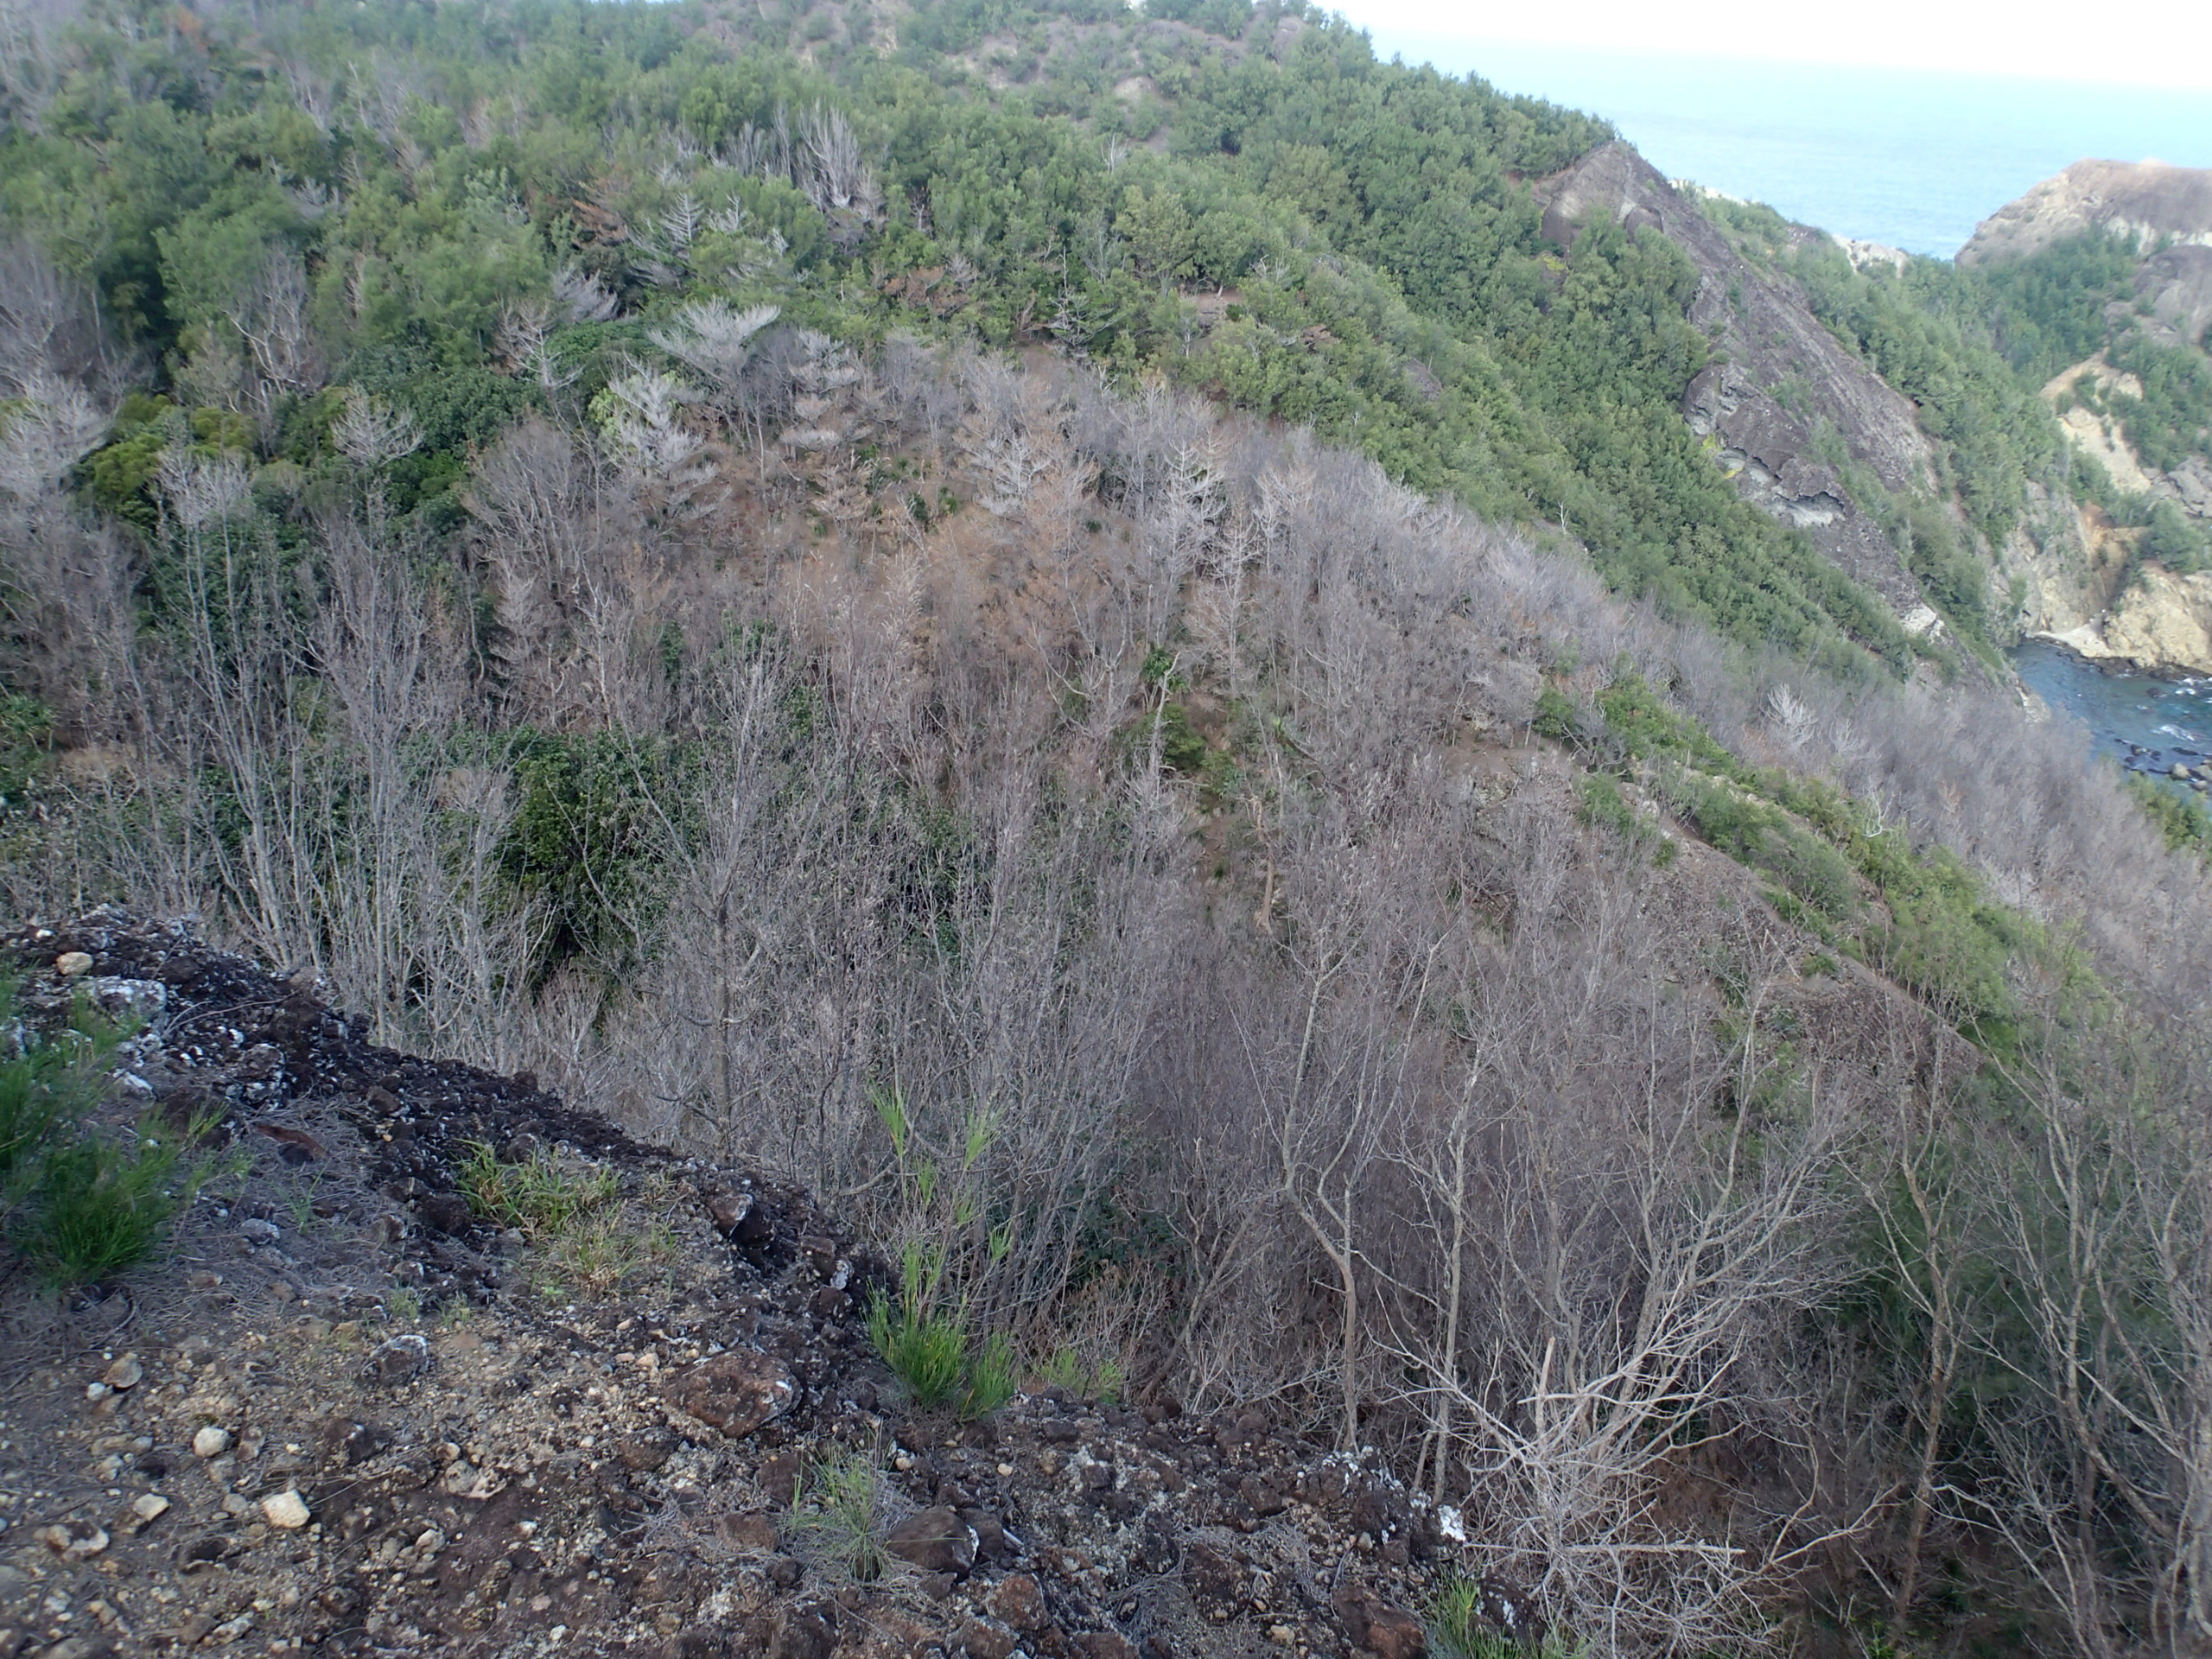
2147,199
2160,621
1768,345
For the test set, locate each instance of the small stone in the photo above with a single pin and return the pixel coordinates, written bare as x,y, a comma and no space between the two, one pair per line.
1105,1644
125,1373
1019,1601
808,1631
1006,1471
287,1510
259,1232
398,1359
76,1542
70,964
1264,1499
746,1531
96,1391
211,1442
149,1507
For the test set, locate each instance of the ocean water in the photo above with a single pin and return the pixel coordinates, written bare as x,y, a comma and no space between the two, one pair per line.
1908,158
2145,723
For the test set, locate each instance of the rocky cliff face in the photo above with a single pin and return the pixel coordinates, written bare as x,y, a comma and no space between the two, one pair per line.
2148,198
1767,341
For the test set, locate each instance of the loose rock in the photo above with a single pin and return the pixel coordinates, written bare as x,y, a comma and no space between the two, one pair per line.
287,1510
211,1442
937,1540
735,1392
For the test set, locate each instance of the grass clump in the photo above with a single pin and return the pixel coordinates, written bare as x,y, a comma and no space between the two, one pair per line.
538,1197
1067,1368
572,1216
931,1350
1458,1630
840,1516
83,1202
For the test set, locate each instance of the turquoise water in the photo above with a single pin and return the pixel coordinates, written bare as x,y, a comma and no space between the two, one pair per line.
1913,159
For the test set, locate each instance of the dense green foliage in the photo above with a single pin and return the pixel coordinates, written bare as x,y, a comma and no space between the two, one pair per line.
1309,232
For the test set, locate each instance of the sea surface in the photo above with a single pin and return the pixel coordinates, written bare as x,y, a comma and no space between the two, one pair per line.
1911,159
2145,723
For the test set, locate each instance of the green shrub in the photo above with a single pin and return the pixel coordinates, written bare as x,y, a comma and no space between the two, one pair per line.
84,1203
1555,717
2184,822
103,1206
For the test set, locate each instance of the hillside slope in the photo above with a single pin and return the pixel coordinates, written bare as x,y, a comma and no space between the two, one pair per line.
1103,638
2148,201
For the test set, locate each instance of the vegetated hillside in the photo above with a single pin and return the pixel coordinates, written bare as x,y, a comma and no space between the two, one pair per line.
1245,201
2095,291
509,512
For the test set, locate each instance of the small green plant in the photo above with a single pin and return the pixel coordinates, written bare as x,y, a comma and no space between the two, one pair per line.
573,1217
538,1197
926,1348
405,1306
1455,1621
1457,1629
840,1516
83,1202
994,1376
1067,1369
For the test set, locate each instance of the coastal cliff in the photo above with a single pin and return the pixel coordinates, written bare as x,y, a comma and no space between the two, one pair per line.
1766,338
2149,199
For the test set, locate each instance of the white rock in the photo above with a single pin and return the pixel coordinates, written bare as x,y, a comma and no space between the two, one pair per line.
149,1507
125,1373
211,1442
70,964
287,1510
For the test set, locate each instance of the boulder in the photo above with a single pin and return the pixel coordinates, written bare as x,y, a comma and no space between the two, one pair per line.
936,1540
735,1392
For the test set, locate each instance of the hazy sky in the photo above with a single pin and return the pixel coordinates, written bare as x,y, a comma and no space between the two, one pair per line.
2140,42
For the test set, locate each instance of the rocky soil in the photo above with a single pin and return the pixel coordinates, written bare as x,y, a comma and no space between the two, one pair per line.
351,1412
